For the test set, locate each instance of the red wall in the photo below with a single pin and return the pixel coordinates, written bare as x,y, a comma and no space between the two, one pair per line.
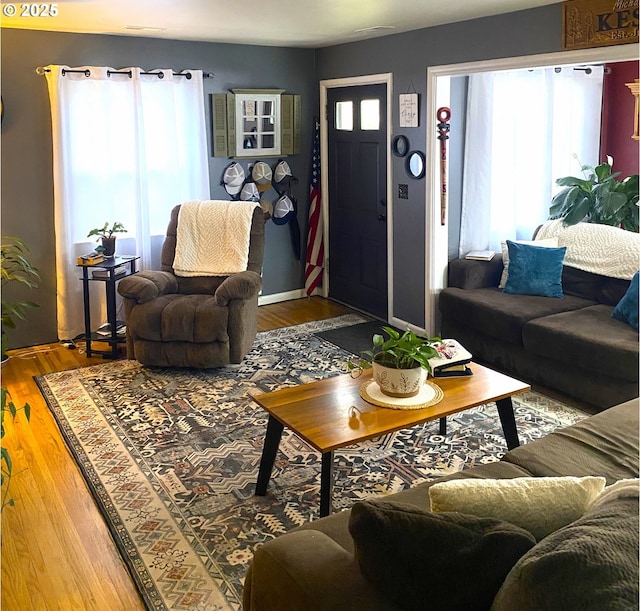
618,106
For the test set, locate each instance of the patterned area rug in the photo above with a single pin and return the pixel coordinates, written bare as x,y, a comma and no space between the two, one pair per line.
172,456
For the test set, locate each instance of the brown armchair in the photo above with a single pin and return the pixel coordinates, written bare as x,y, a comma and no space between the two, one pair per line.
201,321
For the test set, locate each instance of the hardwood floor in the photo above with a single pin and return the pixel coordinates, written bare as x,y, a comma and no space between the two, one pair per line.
57,552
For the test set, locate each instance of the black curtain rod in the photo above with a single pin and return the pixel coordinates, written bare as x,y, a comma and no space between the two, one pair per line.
87,73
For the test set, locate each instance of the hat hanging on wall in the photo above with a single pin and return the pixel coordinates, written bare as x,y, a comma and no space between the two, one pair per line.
282,177
283,210
261,174
250,192
233,178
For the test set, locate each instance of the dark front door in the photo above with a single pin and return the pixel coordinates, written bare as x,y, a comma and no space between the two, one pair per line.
357,178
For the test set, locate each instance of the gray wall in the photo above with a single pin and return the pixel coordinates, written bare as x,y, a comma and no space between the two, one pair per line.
407,56
26,180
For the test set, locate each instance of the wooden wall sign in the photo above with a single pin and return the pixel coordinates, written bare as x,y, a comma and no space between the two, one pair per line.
599,23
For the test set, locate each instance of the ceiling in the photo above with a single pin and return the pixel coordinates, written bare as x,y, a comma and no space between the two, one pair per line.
283,23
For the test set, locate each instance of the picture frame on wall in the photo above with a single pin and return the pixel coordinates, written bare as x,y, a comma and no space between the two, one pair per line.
408,107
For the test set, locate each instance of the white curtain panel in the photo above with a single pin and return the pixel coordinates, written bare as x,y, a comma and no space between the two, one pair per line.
126,148
524,130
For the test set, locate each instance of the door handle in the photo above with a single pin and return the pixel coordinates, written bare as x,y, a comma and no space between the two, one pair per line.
382,216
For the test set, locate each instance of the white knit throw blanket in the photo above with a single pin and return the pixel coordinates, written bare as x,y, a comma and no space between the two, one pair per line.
599,249
213,238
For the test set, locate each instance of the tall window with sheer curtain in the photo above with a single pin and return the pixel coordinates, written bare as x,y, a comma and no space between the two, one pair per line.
525,129
127,147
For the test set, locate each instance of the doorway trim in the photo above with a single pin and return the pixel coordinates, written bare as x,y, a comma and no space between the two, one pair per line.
436,235
371,79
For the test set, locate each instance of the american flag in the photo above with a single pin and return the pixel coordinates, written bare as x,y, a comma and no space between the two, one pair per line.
315,240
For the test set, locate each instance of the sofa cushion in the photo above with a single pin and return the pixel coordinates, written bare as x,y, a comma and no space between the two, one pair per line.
541,505
181,318
582,284
627,308
588,338
534,270
500,314
605,444
589,564
397,546
612,290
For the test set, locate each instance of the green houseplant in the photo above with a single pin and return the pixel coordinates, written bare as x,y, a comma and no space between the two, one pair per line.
16,267
400,362
106,234
597,198
6,464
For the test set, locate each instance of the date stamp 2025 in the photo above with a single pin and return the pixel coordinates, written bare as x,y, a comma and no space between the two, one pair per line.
30,9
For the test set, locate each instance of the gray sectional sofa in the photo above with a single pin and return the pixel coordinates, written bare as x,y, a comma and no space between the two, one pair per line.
591,563
570,344
551,321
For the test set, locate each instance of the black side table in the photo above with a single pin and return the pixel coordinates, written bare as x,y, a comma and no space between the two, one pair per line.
109,271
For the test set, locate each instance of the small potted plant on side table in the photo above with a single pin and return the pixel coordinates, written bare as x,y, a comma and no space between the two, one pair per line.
400,363
106,234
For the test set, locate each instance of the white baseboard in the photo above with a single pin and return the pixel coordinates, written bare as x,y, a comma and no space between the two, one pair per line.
287,296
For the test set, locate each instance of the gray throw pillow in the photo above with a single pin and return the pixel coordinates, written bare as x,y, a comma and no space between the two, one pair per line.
421,560
589,564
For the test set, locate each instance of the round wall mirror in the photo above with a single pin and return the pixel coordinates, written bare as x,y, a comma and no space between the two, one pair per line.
400,146
415,164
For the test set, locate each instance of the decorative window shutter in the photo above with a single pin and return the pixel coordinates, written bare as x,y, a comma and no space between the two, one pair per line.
286,124
297,124
220,140
231,124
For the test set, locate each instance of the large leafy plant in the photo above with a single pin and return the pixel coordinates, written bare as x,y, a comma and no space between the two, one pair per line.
597,198
16,267
399,351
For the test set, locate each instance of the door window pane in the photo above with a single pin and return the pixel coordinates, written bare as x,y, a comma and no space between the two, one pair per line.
370,114
344,116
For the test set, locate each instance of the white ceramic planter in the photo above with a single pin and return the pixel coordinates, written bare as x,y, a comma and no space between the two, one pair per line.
399,382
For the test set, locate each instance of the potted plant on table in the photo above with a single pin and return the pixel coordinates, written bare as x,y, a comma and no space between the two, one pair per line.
400,363
16,267
106,234
597,198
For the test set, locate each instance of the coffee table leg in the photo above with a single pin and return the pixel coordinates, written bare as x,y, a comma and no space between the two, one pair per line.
505,411
443,425
326,484
271,444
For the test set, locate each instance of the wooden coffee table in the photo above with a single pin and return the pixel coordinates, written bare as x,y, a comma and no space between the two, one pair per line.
330,414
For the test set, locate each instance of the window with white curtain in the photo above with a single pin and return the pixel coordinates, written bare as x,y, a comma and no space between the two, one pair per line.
127,147
525,129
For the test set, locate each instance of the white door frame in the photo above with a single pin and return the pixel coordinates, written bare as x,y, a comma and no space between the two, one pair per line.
372,79
436,235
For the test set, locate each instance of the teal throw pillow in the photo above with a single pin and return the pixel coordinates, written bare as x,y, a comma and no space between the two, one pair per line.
534,270
627,308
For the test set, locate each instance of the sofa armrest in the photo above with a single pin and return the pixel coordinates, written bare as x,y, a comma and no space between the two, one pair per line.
242,285
473,274
308,570
147,285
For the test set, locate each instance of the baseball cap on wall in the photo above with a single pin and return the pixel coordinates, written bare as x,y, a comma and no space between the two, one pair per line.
283,210
233,178
282,176
261,174
250,192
